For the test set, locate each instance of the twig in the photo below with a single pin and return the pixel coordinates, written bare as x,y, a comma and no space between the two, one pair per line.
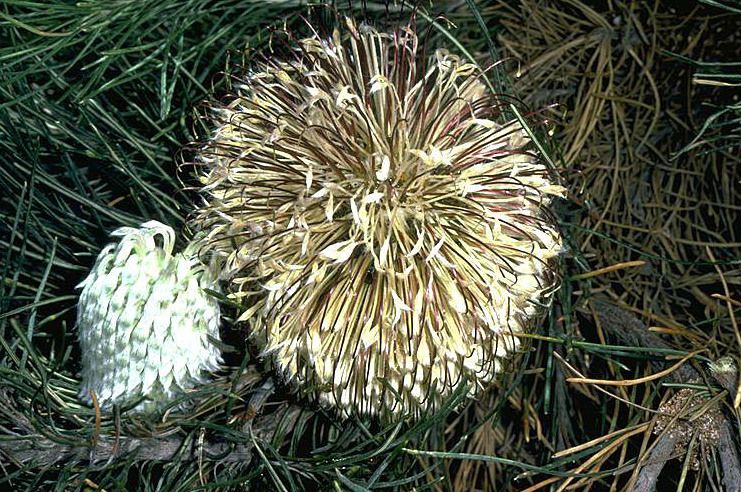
38,451
729,458
655,462
630,330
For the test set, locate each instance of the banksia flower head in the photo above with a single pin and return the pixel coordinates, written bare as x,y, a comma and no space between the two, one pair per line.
388,236
144,320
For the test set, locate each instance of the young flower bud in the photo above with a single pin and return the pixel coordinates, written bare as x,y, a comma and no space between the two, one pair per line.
144,320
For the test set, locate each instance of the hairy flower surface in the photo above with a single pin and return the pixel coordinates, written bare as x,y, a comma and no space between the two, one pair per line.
388,235
144,320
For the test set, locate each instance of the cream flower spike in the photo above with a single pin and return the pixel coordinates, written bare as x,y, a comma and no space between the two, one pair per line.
144,320
388,231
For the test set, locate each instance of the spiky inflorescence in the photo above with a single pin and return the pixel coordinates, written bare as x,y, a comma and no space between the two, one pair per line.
144,320
388,236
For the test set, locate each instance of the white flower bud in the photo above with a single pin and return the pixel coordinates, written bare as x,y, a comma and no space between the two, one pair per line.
144,320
